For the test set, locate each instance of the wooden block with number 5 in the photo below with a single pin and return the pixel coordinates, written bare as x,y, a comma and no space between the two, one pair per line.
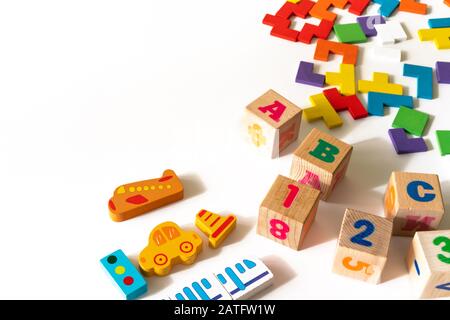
321,161
362,246
428,263
287,212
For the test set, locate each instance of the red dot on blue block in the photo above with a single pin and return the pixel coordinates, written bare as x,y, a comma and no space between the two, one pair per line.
128,281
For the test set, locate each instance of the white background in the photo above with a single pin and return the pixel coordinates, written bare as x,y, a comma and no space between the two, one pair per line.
95,94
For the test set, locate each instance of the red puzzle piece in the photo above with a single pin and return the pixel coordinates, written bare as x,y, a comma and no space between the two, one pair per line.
358,6
281,27
350,103
322,31
300,9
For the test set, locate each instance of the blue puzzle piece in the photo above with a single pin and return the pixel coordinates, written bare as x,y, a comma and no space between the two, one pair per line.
424,77
439,23
377,102
124,274
387,6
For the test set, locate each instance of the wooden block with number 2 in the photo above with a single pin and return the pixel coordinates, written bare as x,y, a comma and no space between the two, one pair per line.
287,212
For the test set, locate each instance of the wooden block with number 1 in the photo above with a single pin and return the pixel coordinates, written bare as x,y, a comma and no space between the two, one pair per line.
287,212
362,246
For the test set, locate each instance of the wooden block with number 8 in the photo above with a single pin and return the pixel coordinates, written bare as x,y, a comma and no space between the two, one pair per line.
287,212
362,246
428,263
321,161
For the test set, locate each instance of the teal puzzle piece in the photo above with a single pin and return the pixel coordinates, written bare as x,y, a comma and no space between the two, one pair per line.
377,102
424,77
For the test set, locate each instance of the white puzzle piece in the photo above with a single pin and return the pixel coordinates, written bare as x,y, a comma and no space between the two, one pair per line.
390,32
387,54
204,288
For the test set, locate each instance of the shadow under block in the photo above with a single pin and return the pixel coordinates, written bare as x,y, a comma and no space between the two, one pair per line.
443,138
440,37
287,212
322,109
413,121
368,24
424,77
428,264
345,79
403,144
272,123
363,246
216,227
169,245
387,7
124,274
321,161
349,52
414,202
133,199
413,6
379,83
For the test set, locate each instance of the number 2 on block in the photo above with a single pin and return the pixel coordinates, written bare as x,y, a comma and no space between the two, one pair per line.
293,191
446,248
360,237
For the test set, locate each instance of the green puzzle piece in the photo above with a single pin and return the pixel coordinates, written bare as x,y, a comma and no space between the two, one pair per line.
443,137
350,33
413,121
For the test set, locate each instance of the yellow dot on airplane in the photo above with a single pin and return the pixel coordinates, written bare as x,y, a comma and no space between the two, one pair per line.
145,188
138,189
131,189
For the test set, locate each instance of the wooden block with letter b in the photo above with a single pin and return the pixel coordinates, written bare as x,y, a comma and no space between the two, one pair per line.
414,202
428,263
272,123
321,161
287,212
363,245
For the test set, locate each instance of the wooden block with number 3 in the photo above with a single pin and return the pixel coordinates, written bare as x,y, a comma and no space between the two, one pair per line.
428,263
362,246
287,212
320,162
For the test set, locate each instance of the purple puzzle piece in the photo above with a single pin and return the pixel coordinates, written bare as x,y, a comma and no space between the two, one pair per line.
403,144
306,75
368,23
443,72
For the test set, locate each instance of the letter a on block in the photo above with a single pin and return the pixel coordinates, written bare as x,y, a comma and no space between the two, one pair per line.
322,109
325,151
311,179
418,223
276,110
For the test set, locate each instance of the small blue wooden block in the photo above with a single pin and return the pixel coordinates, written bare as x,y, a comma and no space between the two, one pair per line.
377,101
424,77
387,6
439,23
124,274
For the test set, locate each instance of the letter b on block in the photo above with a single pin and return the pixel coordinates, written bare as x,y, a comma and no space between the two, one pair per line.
321,161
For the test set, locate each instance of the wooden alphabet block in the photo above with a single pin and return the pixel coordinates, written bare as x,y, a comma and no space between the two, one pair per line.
215,226
414,202
320,161
272,123
428,263
363,245
287,212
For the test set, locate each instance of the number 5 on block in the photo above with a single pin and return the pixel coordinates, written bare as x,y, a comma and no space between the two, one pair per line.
362,246
287,212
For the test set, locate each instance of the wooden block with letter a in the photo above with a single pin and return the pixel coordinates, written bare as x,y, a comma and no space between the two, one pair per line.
321,161
363,245
287,212
414,202
428,263
272,123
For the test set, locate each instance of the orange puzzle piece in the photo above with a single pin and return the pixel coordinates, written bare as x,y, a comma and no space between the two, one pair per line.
216,227
320,9
348,51
413,6
168,245
133,199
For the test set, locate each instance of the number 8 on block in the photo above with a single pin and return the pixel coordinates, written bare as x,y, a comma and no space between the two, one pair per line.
287,212
362,246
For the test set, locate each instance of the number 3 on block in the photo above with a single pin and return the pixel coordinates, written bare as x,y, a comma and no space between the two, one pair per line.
446,248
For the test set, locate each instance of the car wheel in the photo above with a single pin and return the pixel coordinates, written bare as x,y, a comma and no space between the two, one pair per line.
160,259
186,247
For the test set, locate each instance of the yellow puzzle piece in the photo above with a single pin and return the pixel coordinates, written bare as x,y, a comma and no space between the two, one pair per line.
345,79
322,109
440,36
168,245
379,83
216,227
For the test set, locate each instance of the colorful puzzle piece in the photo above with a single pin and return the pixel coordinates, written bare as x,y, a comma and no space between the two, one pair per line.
440,36
413,121
387,6
322,109
320,9
350,33
390,32
244,278
379,83
357,7
403,144
439,23
443,72
307,76
133,199
169,245
412,6
443,138
348,51
206,288
387,54
377,102
368,23
124,274
215,226
310,31
424,77
345,79
350,103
